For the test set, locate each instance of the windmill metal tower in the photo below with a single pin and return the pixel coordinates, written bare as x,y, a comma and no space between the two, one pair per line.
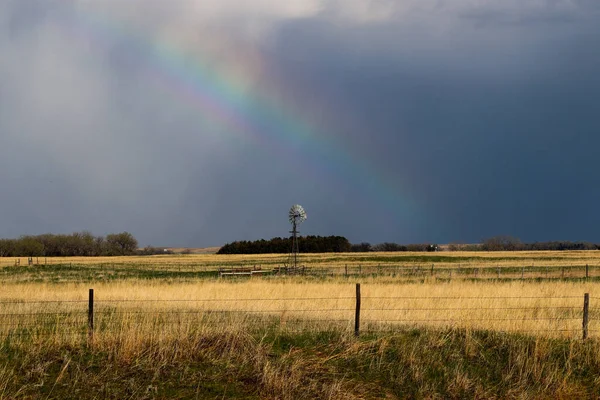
297,215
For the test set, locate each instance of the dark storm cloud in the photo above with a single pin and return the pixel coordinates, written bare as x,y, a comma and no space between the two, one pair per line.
484,113
499,131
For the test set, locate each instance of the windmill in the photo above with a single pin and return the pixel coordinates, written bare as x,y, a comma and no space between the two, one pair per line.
297,215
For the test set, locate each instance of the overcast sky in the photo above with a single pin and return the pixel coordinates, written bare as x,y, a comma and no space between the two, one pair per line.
195,123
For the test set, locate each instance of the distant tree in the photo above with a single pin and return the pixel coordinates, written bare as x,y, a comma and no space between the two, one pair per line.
456,246
387,246
502,243
418,247
7,247
363,247
28,246
122,243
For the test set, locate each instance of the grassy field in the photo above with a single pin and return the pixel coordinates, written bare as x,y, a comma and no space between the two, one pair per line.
338,260
169,327
541,309
409,266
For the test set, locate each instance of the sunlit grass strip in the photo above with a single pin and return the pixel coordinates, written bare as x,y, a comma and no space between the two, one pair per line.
548,309
440,259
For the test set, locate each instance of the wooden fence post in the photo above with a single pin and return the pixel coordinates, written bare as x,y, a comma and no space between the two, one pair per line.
587,271
498,272
432,269
91,314
586,315
357,313
346,267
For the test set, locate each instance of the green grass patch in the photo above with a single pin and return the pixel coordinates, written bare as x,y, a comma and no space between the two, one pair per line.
408,363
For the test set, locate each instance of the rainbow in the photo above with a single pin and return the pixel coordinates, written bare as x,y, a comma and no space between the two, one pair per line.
226,101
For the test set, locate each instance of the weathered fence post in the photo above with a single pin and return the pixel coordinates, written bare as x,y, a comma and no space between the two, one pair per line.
498,272
91,314
357,313
432,269
587,271
586,309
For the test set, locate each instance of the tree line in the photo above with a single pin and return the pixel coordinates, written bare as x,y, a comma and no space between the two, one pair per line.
509,243
80,244
333,244
496,243
388,246
307,244
84,244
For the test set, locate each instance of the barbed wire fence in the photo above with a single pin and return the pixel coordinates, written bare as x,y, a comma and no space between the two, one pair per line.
542,315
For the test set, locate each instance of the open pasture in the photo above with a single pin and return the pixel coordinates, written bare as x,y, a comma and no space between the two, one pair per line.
407,265
489,291
177,330
337,260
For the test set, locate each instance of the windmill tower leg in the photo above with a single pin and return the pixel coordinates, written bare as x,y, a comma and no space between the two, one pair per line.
295,244
295,248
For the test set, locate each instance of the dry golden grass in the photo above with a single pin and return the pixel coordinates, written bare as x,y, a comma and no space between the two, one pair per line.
543,309
440,259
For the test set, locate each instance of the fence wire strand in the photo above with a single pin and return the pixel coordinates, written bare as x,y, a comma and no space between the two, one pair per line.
468,297
211,300
472,308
